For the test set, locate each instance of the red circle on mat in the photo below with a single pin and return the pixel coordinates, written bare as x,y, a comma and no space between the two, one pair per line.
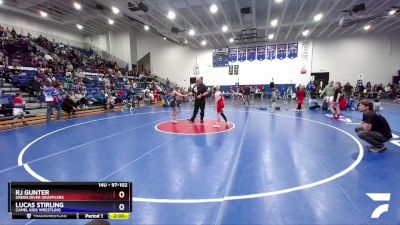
186,127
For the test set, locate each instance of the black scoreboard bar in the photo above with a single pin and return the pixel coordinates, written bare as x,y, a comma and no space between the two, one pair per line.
70,200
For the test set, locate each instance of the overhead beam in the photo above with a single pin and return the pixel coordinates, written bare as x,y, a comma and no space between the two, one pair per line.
387,26
201,23
238,14
393,29
213,21
35,15
90,16
309,18
253,6
190,24
153,6
268,17
326,15
225,17
281,18
336,21
373,10
295,18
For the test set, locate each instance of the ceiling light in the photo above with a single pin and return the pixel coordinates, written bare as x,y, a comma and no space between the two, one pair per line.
274,22
306,32
77,6
146,27
213,8
115,10
271,36
80,27
318,17
392,12
110,21
203,43
191,32
367,27
1,2
278,1
43,14
231,40
171,15
224,28
165,38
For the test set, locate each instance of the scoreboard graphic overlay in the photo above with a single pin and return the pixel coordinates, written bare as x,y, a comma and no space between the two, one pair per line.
70,200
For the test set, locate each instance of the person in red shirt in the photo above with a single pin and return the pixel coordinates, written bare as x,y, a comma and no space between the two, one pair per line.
300,93
18,110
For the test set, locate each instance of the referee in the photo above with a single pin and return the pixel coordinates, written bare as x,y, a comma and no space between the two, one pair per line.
199,92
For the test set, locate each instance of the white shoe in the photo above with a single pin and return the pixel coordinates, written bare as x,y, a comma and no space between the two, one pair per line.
227,125
216,126
174,121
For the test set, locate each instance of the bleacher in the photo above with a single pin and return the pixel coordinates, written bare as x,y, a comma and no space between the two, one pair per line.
23,80
6,102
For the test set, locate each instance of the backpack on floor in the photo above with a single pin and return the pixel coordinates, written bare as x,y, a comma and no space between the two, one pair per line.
324,105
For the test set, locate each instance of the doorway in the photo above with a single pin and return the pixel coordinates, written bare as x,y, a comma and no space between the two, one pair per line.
321,78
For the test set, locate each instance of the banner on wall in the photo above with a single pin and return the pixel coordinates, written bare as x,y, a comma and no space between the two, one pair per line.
281,51
293,50
251,54
261,53
242,54
271,52
233,55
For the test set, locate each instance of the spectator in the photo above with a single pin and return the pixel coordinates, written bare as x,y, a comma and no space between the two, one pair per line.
69,105
329,91
351,104
18,110
335,109
52,97
374,129
347,90
313,103
377,105
36,87
246,93
289,93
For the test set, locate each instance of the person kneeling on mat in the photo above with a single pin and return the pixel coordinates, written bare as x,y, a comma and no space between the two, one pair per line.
313,103
374,128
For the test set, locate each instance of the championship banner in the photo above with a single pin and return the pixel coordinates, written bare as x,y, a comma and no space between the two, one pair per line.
261,53
293,50
281,51
242,54
271,52
233,55
251,54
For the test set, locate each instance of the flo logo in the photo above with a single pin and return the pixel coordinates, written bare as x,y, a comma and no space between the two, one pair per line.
379,197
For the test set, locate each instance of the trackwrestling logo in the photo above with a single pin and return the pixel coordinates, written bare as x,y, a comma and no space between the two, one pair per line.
379,197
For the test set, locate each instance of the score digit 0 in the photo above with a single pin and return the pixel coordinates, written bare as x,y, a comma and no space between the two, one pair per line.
121,207
121,194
